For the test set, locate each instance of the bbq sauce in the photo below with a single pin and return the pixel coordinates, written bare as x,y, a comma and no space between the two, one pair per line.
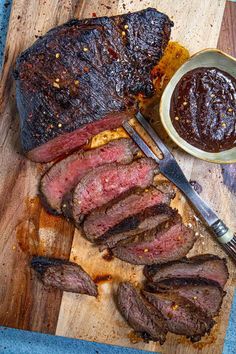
203,109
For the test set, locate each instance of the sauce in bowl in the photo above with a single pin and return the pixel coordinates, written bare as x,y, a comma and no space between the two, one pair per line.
203,109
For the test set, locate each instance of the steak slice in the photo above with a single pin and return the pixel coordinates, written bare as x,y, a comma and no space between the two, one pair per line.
206,294
181,315
64,275
157,246
152,217
205,266
83,77
128,213
107,182
139,314
63,176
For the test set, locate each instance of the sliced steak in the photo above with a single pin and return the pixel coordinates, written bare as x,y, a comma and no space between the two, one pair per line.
206,266
66,276
128,213
82,78
139,314
157,246
181,315
63,176
107,182
206,294
152,217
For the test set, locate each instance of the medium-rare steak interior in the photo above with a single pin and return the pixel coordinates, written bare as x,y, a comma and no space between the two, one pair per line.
64,275
82,78
127,213
205,266
173,241
64,175
150,218
107,182
187,305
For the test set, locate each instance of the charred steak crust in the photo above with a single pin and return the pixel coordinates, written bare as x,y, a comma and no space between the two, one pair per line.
64,275
181,315
141,316
132,223
126,211
206,266
173,241
85,70
63,176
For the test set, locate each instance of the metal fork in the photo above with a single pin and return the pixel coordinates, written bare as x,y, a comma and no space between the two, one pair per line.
170,169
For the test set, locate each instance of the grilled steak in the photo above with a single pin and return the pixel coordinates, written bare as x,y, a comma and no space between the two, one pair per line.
82,77
205,266
107,182
150,218
181,315
63,176
157,246
140,315
206,294
134,212
66,276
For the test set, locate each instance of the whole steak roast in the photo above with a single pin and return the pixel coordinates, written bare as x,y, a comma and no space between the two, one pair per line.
83,77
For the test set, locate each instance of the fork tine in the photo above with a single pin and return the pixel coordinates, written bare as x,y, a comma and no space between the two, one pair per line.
143,146
146,126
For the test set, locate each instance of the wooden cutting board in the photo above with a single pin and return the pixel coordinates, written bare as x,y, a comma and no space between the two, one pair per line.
26,229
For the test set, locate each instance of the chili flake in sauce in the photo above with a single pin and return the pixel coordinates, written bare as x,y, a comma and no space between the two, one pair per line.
203,109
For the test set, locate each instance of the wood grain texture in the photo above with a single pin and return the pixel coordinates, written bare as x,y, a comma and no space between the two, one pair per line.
199,32
227,39
227,43
26,228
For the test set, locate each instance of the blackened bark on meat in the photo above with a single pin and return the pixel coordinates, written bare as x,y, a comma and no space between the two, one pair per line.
126,211
133,222
206,266
83,71
64,275
141,316
150,218
173,241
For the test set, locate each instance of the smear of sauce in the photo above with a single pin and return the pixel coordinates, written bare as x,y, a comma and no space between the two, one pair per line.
48,220
174,56
134,338
205,341
40,233
27,237
108,256
102,278
27,230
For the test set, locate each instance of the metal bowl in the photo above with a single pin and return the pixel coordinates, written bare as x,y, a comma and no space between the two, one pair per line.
205,58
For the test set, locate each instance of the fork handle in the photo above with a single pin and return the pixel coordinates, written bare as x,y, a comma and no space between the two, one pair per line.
222,232
216,225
